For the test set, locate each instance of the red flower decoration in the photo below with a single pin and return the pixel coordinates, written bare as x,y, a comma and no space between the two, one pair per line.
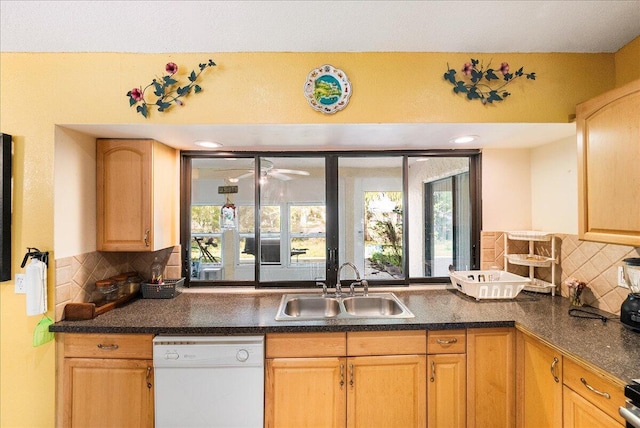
136,94
466,70
504,68
171,68
166,89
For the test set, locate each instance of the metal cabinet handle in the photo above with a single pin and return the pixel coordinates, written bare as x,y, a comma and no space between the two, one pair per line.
112,347
592,389
351,374
447,341
146,237
148,377
553,369
433,372
341,375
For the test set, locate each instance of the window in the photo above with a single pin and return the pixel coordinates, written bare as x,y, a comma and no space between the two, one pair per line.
307,233
399,217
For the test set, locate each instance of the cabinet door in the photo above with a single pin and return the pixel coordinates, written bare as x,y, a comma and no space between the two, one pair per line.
539,384
447,391
124,195
580,413
108,393
386,391
137,188
491,377
608,130
305,392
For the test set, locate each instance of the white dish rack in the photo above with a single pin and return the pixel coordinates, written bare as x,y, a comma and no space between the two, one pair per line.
533,260
488,284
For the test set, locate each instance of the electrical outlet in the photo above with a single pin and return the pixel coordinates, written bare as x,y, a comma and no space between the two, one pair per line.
621,281
20,289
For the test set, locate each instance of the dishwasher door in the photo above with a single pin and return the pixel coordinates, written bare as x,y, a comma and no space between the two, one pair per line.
215,381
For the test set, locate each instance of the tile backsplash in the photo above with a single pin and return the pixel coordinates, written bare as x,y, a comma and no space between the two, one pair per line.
76,276
592,262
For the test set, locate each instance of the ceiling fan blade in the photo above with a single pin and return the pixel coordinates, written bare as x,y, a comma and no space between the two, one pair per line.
279,176
290,171
240,177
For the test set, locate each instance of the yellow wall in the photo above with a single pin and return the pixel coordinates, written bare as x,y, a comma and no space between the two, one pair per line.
626,62
39,91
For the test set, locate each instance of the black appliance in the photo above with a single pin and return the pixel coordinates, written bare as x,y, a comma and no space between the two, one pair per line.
631,410
630,309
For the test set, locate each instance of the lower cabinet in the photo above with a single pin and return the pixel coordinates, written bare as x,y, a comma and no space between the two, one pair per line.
539,384
355,379
491,377
447,382
386,391
305,392
580,413
590,398
107,381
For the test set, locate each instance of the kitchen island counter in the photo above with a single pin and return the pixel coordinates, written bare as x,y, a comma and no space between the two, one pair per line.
608,346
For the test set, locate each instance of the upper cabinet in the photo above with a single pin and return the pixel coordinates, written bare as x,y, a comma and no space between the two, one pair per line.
608,129
137,195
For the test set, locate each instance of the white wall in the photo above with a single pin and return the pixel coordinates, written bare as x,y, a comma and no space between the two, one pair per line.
506,189
554,187
74,177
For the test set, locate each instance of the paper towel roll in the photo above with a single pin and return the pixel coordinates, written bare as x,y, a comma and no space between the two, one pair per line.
36,287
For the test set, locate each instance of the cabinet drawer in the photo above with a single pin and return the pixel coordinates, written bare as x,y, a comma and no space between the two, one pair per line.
293,345
130,346
573,373
447,342
403,342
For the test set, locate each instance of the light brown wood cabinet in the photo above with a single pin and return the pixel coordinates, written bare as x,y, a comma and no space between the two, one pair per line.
539,384
447,382
590,398
107,380
137,195
608,130
357,379
491,377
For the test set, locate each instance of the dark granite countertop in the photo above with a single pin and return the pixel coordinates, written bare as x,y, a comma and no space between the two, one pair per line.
608,346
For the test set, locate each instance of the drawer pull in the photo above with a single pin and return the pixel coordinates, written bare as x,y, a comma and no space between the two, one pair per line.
591,388
341,375
107,347
433,372
146,238
553,369
447,341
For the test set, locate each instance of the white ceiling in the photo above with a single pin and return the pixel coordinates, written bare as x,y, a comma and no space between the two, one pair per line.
318,26
323,26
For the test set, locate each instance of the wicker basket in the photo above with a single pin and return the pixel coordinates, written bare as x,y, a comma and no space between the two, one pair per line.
167,290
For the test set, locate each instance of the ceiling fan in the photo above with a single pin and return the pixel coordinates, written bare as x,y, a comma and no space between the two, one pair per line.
267,170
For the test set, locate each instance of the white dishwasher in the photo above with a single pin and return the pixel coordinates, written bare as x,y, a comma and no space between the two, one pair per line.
209,381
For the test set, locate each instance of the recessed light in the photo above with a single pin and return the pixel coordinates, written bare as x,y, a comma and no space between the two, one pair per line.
464,139
207,144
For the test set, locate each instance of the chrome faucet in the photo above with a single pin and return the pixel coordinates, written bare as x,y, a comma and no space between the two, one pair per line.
353,284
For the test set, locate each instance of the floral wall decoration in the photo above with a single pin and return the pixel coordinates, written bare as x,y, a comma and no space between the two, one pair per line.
487,85
166,89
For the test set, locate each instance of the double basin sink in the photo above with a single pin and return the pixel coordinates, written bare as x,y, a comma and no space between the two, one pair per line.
313,307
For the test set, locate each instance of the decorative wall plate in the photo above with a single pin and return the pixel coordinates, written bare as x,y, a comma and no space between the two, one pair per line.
327,89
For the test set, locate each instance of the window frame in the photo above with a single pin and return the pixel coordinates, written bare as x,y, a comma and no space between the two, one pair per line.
331,204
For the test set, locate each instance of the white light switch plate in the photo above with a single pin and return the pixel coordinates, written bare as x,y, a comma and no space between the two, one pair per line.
20,289
621,281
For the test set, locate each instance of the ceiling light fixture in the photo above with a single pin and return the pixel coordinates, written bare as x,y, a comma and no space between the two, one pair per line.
207,144
464,139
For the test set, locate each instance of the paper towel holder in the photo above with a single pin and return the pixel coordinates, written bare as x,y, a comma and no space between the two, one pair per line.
34,253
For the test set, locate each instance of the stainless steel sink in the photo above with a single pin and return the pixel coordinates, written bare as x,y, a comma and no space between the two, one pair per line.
373,306
310,307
